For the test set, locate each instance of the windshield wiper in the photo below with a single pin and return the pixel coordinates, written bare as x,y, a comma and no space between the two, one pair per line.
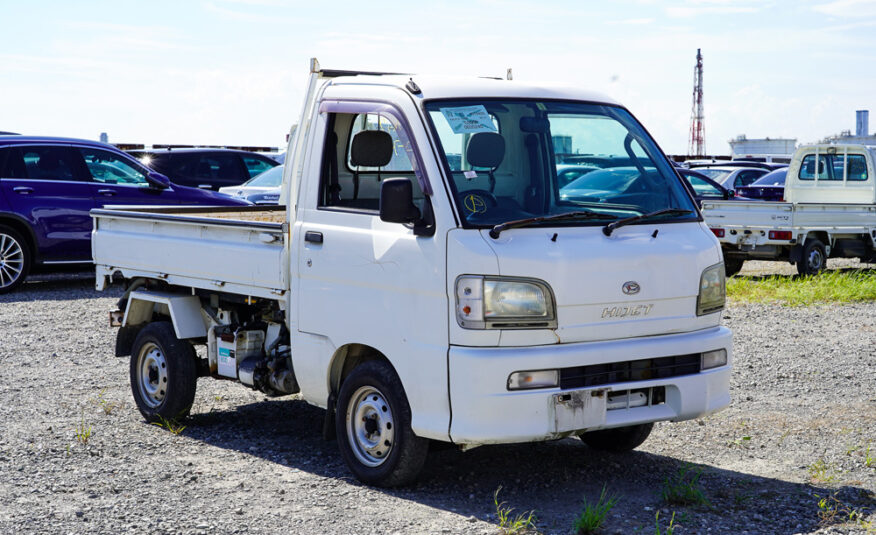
580,214
608,229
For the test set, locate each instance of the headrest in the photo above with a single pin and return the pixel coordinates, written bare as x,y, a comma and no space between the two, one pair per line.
371,148
485,149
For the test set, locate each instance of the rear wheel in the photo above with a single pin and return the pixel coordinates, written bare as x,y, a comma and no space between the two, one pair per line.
619,439
373,426
15,259
732,265
814,258
163,373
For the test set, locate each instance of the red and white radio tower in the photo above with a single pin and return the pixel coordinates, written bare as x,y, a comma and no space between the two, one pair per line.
697,145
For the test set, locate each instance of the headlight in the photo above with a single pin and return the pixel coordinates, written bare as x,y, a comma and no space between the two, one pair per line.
503,303
712,290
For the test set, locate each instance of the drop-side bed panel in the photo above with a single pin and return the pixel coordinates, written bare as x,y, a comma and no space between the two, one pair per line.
239,250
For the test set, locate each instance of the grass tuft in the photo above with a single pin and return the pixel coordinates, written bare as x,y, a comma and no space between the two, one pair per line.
513,524
827,287
593,515
683,487
171,425
83,432
670,529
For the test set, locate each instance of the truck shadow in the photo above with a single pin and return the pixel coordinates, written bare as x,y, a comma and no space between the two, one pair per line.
59,286
552,478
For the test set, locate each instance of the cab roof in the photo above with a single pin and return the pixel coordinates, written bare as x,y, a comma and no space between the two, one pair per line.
451,87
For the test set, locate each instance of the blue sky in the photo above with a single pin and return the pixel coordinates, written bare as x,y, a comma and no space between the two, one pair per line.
233,71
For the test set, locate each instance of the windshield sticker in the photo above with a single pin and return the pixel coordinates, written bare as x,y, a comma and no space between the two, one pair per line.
469,119
470,174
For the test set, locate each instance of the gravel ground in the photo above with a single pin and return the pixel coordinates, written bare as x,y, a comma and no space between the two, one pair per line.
802,418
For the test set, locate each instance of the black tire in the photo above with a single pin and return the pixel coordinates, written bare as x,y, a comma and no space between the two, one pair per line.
814,258
15,259
373,393
618,440
732,265
163,373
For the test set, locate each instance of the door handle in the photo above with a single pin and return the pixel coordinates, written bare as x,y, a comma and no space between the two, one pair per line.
313,237
23,190
106,192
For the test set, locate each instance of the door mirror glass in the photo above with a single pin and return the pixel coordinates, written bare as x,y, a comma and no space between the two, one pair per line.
397,201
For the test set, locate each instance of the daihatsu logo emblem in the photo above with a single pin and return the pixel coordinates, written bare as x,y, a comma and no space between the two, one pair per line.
631,287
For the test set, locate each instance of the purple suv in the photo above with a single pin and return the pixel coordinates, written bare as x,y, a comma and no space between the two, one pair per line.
48,186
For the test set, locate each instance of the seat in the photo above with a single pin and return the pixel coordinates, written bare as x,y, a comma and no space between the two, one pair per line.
486,150
369,148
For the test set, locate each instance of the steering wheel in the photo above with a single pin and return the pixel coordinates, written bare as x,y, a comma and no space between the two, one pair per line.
477,201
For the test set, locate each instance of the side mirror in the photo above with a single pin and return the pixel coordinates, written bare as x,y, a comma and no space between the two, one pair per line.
397,201
158,180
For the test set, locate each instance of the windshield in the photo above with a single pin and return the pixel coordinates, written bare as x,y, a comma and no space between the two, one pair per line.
518,159
271,178
774,178
718,175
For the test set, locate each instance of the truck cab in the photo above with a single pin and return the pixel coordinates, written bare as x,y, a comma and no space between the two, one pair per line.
441,285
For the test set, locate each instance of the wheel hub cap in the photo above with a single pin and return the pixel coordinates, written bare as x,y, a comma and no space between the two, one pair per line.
152,375
370,426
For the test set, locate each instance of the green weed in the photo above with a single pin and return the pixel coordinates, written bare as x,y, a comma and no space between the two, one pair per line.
171,425
83,432
831,510
820,472
670,529
107,406
828,287
683,488
513,524
869,460
593,515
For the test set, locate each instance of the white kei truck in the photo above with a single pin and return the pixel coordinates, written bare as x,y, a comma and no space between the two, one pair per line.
829,211
427,280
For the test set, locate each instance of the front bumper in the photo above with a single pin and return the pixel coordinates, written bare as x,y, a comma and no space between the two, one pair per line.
486,412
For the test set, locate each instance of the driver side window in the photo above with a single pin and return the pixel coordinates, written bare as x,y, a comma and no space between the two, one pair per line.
360,151
108,168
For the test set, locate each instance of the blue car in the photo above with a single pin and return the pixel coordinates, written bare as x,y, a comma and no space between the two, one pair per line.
49,185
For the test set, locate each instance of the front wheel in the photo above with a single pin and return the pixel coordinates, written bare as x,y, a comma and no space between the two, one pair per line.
618,440
163,373
373,426
814,258
15,259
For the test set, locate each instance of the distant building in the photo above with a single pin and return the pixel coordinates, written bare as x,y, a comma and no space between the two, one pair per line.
743,147
862,128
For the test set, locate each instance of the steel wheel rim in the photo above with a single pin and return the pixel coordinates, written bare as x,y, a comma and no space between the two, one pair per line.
816,259
11,260
152,374
370,426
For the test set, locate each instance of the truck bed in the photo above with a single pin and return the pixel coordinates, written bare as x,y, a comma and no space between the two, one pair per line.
783,215
239,250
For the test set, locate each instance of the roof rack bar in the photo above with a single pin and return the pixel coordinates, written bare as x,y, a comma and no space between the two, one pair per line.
334,73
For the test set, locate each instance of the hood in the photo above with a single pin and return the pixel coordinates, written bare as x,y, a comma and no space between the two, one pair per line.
588,271
189,195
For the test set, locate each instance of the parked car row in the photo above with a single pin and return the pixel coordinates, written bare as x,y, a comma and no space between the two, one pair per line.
48,185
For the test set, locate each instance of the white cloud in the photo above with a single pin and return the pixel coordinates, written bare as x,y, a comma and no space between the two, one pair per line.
848,8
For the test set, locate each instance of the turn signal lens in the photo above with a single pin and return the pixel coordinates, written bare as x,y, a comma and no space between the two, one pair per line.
533,379
714,359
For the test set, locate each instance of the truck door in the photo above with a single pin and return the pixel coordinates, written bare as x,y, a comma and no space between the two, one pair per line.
365,281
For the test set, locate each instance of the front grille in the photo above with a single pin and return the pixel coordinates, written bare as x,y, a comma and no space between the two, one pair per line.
629,371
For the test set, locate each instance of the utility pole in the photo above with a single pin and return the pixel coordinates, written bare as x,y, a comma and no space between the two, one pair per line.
697,145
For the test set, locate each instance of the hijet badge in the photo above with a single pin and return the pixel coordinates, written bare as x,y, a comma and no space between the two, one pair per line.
579,409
